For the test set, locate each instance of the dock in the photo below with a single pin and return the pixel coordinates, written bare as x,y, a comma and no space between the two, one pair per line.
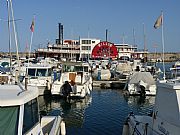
110,83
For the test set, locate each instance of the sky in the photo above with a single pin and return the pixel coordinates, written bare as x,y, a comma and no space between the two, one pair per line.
91,18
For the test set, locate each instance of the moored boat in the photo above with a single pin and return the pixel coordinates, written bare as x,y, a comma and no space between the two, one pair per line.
75,81
141,83
40,76
19,112
165,116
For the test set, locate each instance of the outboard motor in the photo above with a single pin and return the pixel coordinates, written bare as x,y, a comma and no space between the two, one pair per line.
143,91
66,89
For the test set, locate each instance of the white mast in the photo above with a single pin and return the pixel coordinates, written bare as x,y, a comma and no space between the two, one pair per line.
9,33
162,35
15,33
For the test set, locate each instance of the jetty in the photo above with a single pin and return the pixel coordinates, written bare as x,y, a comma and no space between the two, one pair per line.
110,83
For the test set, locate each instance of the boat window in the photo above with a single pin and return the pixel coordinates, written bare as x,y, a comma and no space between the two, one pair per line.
86,69
31,72
68,68
81,68
78,68
42,72
9,120
49,72
175,73
31,115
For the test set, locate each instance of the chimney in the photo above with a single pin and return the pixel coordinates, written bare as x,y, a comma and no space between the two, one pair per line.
60,40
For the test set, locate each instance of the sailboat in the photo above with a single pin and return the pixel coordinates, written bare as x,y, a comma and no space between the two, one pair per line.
19,111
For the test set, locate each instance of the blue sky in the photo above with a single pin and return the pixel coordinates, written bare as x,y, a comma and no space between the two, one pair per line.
120,17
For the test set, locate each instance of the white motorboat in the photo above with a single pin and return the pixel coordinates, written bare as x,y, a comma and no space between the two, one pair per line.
19,113
40,76
165,117
141,83
175,70
76,75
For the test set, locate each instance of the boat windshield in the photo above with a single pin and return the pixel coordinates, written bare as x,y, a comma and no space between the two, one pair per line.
9,117
72,68
39,72
31,72
175,73
42,72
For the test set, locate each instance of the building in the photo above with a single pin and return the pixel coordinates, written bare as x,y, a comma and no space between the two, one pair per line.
125,51
86,47
89,48
69,50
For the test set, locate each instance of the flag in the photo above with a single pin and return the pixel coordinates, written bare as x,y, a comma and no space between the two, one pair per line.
158,22
32,26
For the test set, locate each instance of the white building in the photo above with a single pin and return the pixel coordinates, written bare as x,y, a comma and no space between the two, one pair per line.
125,50
86,46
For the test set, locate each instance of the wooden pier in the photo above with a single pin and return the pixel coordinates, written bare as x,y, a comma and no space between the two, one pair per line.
110,83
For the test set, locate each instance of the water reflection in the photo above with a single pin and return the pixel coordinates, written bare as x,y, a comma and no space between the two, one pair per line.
104,115
140,105
72,111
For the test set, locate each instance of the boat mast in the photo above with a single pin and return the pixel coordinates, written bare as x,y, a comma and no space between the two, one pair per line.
134,39
145,48
16,43
15,33
88,46
162,35
9,33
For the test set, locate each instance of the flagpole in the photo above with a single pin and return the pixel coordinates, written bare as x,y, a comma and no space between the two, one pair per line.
162,36
30,46
32,31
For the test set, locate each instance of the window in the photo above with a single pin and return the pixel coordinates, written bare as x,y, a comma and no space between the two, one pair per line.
93,42
86,47
9,120
31,115
86,41
31,72
41,72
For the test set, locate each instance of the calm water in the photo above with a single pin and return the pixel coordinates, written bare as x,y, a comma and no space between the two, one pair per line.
103,113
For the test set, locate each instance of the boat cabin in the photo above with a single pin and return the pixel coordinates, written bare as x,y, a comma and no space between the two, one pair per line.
76,68
39,71
19,110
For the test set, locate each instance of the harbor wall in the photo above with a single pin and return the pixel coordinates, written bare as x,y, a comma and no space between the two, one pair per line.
168,57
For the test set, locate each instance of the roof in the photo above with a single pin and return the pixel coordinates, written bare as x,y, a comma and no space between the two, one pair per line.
12,95
144,76
39,66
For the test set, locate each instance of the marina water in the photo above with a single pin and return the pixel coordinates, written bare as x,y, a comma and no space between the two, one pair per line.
102,113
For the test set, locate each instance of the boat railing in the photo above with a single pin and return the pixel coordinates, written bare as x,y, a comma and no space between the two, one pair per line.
147,129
